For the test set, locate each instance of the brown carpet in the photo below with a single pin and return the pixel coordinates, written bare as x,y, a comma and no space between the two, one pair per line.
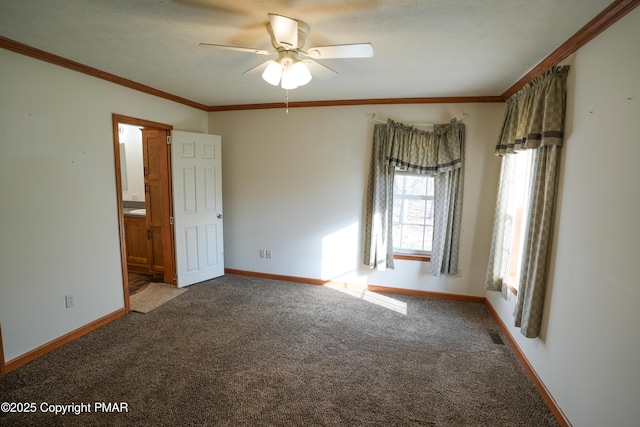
242,351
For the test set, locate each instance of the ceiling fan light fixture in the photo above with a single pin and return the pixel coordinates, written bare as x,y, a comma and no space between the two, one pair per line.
301,73
288,78
287,71
273,73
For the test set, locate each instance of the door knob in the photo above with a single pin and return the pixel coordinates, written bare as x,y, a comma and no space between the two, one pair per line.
219,215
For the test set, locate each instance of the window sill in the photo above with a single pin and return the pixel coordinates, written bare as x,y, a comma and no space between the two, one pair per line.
423,258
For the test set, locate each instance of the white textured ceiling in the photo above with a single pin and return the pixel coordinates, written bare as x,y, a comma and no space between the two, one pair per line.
423,48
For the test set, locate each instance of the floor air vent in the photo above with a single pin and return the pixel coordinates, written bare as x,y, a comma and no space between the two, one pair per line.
495,337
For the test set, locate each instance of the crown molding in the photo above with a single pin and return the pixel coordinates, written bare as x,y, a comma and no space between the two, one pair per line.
350,102
32,52
597,25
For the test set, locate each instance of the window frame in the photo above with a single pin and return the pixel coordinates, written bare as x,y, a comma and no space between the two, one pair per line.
412,254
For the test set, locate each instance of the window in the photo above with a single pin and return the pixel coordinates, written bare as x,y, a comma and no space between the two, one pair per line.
518,212
412,214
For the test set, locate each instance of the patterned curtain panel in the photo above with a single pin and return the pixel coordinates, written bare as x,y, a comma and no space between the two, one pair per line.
535,259
448,200
378,250
446,228
534,120
440,154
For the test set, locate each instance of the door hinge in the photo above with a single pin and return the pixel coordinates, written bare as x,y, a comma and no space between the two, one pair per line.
148,234
171,220
168,139
175,276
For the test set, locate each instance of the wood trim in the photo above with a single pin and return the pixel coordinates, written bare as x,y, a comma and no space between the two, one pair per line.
425,294
372,288
537,382
597,25
351,102
32,52
64,339
139,122
168,240
168,245
115,121
423,258
275,276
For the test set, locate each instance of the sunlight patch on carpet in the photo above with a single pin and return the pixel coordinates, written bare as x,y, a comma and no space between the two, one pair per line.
372,297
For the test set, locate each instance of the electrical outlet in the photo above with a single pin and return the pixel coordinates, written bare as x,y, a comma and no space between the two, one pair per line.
69,300
261,253
268,253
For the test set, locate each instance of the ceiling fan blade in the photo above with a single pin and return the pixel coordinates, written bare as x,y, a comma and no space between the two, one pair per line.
319,70
258,68
358,50
285,31
238,49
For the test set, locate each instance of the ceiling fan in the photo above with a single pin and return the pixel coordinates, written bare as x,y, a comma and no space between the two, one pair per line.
294,66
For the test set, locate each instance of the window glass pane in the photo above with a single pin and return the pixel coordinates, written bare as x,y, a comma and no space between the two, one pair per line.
412,237
416,185
414,210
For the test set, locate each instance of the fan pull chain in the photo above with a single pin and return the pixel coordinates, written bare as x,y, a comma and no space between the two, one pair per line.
286,101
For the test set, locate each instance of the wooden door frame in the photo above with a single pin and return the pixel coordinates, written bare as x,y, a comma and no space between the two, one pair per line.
168,247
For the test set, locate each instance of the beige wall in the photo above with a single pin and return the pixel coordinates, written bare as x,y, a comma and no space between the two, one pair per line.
58,211
295,184
589,348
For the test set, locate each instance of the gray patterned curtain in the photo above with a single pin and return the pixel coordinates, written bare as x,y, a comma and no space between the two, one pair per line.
534,120
440,154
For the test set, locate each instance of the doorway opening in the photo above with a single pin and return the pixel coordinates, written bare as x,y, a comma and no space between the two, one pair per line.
143,187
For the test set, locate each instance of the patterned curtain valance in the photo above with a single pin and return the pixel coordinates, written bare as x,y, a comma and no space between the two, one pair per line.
423,152
535,114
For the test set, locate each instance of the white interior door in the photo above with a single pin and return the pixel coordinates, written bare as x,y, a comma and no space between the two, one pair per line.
196,164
